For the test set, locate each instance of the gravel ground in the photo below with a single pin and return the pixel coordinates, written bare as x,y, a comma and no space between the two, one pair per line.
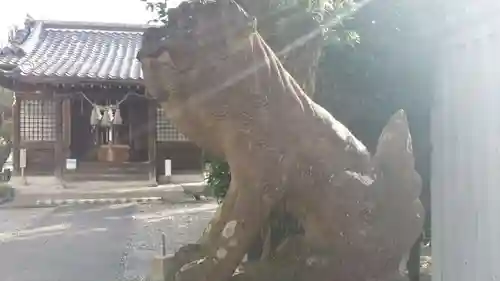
181,224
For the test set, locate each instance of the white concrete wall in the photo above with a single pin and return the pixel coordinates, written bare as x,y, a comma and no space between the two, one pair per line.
466,159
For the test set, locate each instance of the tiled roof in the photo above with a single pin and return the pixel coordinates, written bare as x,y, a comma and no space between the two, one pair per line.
76,51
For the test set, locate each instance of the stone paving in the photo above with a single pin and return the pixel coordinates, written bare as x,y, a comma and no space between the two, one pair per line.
89,243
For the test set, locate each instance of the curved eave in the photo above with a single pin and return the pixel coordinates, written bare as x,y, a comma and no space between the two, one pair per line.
31,79
8,72
7,67
14,79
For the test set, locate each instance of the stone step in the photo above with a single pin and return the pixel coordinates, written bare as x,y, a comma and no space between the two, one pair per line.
106,177
103,201
111,168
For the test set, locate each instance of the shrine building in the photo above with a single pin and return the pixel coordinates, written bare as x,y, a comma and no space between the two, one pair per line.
81,111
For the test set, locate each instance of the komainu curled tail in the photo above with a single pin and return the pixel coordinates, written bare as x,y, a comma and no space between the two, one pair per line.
397,185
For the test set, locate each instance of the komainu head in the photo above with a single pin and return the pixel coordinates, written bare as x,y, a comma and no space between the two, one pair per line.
198,36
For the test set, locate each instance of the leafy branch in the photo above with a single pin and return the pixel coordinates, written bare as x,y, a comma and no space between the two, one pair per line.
159,9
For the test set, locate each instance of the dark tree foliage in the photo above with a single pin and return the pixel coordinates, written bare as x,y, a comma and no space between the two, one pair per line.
392,68
219,177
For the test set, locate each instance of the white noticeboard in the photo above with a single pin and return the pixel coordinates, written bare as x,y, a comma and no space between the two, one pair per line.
22,158
168,167
71,164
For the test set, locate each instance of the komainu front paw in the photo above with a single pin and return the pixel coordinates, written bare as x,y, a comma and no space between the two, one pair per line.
185,255
197,270
188,253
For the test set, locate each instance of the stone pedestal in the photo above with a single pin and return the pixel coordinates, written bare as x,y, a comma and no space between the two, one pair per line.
160,266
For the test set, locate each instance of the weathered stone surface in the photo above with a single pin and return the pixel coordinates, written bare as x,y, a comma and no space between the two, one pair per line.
226,90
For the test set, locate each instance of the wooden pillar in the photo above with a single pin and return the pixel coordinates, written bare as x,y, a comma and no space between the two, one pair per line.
152,140
66,120
16,138
59,157
466,154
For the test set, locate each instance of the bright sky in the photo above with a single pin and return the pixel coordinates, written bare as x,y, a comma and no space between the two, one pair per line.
115,11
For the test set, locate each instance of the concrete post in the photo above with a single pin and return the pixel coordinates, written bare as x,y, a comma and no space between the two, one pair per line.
466,151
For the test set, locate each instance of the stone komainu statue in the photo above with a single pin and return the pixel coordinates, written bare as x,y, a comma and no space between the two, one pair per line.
225,89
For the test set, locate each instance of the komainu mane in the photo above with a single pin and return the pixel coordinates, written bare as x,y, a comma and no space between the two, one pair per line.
226,90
